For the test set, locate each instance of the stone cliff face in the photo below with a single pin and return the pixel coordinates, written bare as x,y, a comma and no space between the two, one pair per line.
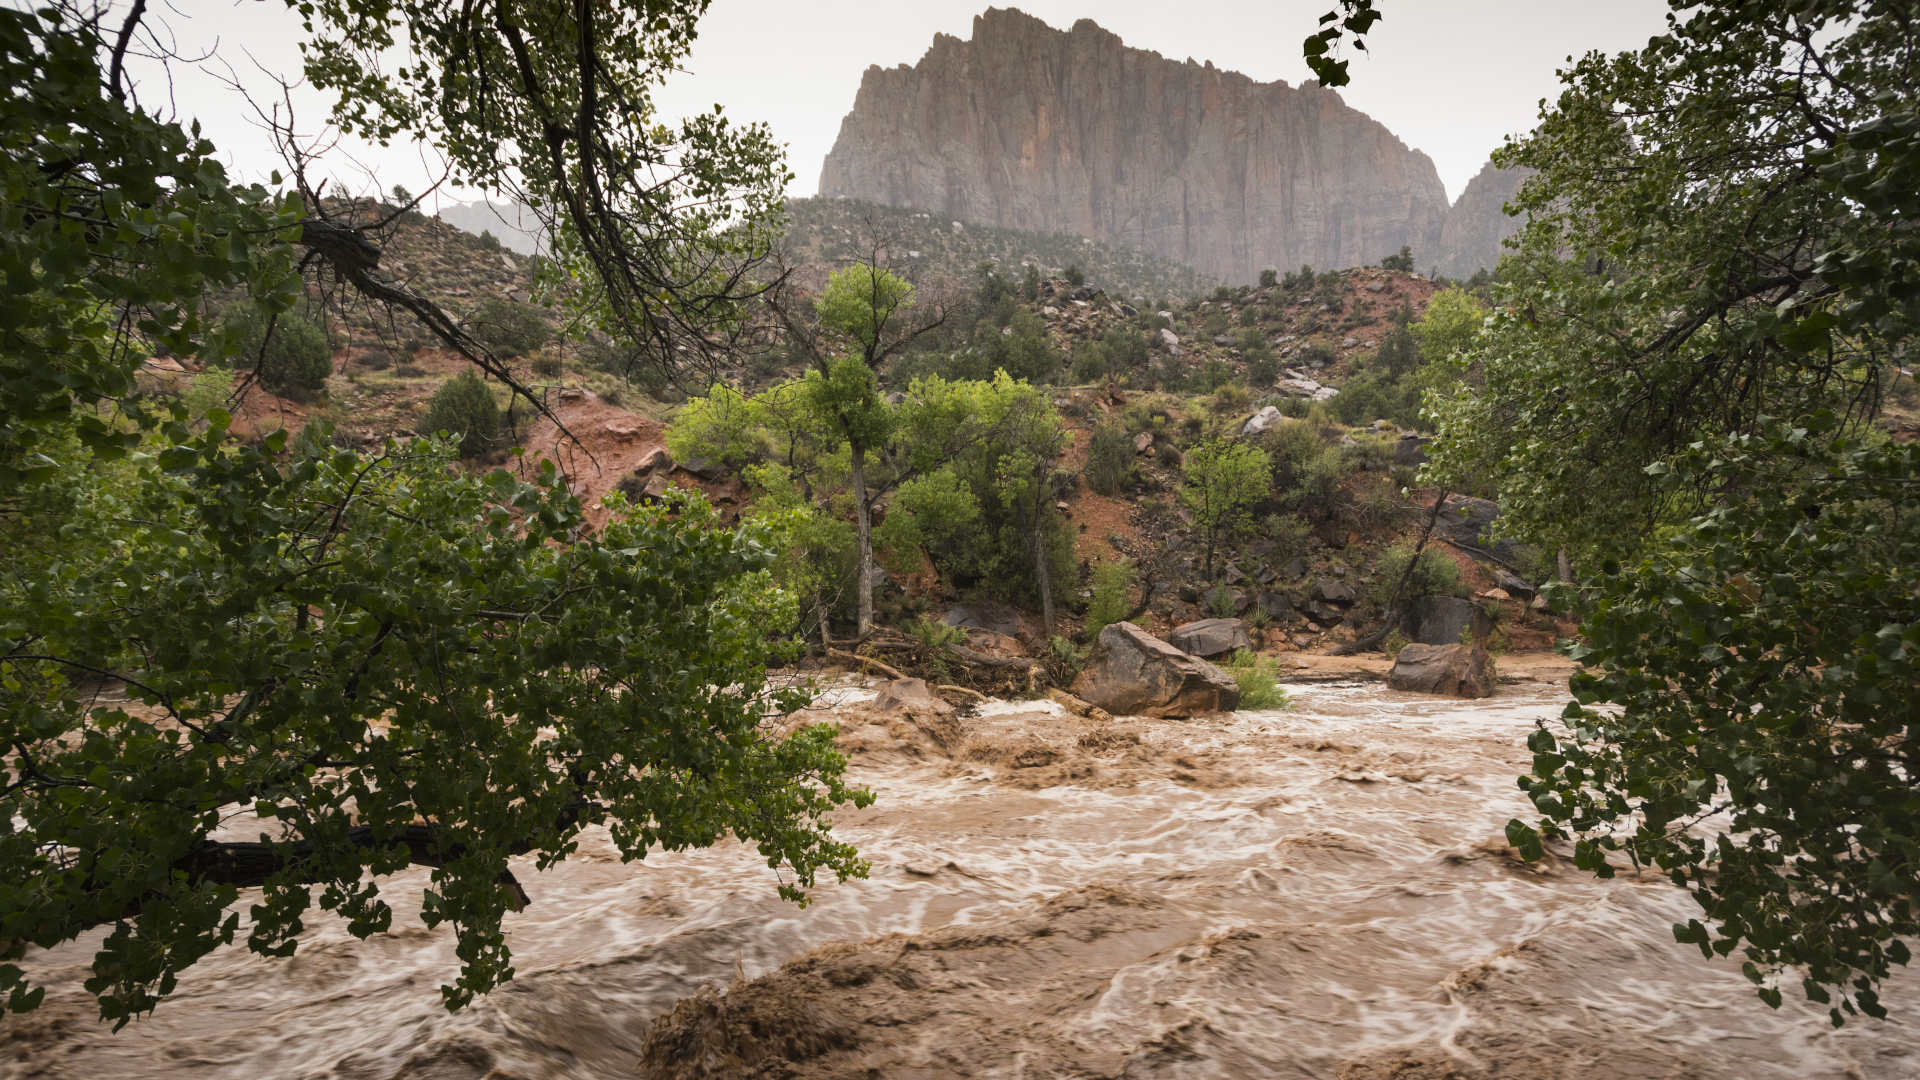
1029,127
1476,224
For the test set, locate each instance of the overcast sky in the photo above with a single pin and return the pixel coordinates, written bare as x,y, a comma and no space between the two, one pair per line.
1450,77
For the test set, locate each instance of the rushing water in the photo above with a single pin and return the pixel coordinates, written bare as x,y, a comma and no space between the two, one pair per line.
1315,893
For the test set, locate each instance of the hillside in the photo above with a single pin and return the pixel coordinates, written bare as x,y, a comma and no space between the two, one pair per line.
829,230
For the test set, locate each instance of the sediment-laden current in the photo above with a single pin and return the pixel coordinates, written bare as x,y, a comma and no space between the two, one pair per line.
1322,892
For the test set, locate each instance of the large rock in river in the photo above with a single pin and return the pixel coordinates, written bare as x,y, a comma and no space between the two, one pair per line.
1133,673
1448,670
1210,637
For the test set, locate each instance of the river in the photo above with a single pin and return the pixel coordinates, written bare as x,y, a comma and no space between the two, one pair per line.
1321,892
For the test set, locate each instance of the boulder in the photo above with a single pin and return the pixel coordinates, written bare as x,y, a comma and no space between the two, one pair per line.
1211,637
1233,574
1441,620
1513,583
1276,605
1266,418
1142,442
1295,569
1132,673
1464,523
988,615
909,694
1448,670
1169,338
1324,614
1333,592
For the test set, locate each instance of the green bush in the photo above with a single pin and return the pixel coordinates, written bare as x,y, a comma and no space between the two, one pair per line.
547,366
1402,262
1259,682
1110,468
1076,276
1220,603
1289,534
464,407
1089,362
1434,575
509,329
297,357
1269,278
1110,584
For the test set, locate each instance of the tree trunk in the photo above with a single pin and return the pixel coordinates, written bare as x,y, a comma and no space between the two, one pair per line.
1566,568
1040,573
863,513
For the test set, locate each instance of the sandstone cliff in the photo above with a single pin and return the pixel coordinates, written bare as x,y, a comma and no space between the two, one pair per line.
1029,127
1476,224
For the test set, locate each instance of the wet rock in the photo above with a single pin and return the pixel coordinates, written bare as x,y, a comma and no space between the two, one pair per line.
1443,620
1210,637
1447,670
909,694
1133,673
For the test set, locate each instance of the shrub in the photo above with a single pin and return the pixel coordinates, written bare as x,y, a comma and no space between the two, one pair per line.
1258,678
1220,603
464,406
1110,584
296,359
409,371
1269,278
1434,575
1110,468
1089,363
509,329
1314,353
1402,262
1393,643
1289,534
1222,294
1230,398
547,366
1076,276
375,359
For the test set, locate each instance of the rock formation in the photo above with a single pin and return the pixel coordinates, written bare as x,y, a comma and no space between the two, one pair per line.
1132,673
1029,127
1476,224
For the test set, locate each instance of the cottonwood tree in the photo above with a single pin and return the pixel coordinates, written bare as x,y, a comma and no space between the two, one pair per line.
358,661
877,314
1685,351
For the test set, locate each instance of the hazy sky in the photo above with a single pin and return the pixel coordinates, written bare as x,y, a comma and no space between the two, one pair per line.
1450,77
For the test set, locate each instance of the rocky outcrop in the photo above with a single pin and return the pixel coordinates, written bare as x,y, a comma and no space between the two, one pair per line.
1448,670
1132,673
1029,127
1476,224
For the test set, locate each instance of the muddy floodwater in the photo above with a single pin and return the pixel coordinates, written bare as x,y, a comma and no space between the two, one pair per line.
1322,892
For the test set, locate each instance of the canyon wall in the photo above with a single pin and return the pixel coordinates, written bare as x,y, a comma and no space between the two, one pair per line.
1476,225
1029,127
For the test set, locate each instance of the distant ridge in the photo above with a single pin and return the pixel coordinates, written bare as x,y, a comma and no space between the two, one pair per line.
513,224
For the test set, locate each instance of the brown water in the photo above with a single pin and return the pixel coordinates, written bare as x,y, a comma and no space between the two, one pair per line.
1316,893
